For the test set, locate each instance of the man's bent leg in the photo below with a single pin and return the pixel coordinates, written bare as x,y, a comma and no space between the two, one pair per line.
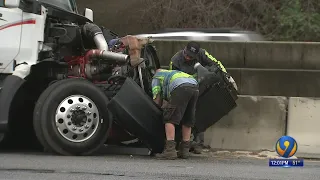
170,131
184,146
172,117
188,123
186,133
200,139
170,145
173,114
169,151
198,142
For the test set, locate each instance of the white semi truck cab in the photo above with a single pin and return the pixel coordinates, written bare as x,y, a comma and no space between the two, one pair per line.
21,35
22,32
58,75
65,89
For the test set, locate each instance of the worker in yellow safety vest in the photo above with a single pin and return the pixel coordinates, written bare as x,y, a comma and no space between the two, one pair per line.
180,90
185,60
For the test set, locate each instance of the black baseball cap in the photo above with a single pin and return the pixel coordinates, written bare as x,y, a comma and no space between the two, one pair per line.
192,49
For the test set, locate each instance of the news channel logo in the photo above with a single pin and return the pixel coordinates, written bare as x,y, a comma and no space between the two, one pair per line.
286,147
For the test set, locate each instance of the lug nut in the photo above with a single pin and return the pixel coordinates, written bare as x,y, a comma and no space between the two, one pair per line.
74,128
84,108
71,109
81,129
86,126
78,107
88,113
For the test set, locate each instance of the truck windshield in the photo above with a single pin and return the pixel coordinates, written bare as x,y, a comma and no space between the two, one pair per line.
68,5
1,3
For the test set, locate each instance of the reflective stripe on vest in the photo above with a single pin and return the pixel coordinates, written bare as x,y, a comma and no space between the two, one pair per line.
215,60
166,79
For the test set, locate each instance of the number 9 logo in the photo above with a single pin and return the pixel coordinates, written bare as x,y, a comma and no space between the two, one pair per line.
286,146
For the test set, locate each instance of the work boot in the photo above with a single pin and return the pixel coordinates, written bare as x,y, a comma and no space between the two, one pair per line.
198,143
184,150
197,149
169,152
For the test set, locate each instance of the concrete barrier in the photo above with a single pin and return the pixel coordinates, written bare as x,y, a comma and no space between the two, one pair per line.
273,55
257,123
304,124
276,82
271,82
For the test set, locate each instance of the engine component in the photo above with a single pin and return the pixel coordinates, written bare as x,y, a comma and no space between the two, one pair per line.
106,55
108,34
83,66
64,39
89,70
115,45
92,31
117,71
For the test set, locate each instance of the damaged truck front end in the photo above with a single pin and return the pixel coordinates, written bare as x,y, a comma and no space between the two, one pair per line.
80,94
58,97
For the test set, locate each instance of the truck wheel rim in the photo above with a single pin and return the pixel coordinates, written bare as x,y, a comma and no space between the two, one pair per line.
77,118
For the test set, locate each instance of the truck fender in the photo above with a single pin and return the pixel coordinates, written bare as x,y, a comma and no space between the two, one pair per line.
9,89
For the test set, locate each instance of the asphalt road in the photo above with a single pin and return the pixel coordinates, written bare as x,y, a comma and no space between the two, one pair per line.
26,166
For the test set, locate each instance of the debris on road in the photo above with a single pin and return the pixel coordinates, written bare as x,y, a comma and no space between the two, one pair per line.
241,154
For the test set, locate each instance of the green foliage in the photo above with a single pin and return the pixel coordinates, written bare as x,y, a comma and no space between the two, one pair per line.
287,20
298,24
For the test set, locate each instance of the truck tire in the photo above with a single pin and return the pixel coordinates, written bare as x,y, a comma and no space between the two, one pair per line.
71,118
152,60
152,64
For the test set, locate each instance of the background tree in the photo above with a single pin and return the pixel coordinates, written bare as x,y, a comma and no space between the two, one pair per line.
287,20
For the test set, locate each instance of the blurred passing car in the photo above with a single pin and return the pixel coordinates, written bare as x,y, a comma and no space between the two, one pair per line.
204,34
